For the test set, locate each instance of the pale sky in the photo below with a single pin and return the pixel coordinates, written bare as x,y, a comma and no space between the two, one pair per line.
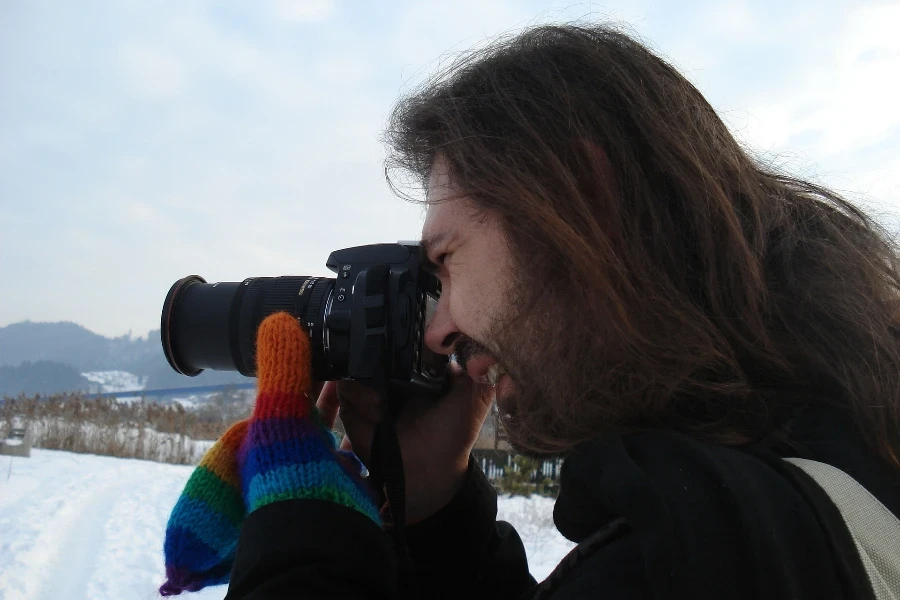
144,141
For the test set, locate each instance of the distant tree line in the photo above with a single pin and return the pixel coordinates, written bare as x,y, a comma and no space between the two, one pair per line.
48,358
41,377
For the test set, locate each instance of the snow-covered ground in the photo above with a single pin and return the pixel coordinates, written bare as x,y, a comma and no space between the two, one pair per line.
533,519
84,527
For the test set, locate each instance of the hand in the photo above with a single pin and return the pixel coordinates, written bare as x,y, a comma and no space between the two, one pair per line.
436,436
280,453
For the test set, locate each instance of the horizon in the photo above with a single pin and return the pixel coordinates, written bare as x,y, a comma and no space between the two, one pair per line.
128,334
138,137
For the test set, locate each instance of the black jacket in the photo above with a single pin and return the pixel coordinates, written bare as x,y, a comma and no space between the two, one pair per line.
656,515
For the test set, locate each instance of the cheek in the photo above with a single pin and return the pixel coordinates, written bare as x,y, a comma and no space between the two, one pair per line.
471,305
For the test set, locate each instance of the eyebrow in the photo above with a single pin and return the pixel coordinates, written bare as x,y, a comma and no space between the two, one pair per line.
426,246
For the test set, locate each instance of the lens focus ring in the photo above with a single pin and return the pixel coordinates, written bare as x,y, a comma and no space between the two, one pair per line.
265,296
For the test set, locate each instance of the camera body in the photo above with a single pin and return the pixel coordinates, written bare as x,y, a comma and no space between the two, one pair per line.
366,323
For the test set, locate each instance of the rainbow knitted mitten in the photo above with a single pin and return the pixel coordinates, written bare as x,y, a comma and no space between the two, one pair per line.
282,452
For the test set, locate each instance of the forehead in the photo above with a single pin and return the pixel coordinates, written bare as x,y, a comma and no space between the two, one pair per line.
447,211
442,220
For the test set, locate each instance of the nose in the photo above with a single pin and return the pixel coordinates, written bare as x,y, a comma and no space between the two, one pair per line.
441,333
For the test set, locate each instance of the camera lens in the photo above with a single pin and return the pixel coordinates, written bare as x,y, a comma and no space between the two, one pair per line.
213,325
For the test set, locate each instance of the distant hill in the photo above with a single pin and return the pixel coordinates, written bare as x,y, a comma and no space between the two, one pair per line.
65,343
74,349
43,377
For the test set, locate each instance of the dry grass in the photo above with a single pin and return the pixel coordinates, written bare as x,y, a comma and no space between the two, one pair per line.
146,430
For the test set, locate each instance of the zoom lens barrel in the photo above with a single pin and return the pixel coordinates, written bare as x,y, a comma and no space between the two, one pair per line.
213,325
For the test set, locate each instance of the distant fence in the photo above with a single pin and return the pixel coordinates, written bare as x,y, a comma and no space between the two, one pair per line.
495,463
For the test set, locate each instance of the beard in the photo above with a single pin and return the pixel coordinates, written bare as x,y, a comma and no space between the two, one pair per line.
549,357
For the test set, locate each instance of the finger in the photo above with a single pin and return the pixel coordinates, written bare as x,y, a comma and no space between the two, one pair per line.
485,396
283,356
328,404
358,400
360,431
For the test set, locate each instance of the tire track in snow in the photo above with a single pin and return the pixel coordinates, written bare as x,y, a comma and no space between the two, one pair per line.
32,530
133,540
76,560
84,527
49,535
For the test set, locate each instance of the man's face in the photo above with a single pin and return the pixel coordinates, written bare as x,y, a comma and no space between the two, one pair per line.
471,257
505,321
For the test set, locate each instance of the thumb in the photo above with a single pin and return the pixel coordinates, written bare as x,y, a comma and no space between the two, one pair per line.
328,403
283,368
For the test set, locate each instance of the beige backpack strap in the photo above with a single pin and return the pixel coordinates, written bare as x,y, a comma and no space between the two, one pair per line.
875,530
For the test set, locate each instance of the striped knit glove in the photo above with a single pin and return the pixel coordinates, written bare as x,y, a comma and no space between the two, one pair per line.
283,452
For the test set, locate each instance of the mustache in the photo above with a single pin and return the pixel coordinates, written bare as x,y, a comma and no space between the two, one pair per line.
466,349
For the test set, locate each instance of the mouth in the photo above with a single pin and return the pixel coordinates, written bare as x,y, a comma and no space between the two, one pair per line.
484,369
494,373
502,387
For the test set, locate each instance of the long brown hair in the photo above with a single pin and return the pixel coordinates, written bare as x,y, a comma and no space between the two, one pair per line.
725,295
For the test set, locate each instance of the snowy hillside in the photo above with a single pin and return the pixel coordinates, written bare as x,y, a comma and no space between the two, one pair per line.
115,381
84,527
123,381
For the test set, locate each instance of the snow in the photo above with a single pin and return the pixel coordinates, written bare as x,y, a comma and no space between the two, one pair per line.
115,381
144,442
533,519
193,401
122,381
85,527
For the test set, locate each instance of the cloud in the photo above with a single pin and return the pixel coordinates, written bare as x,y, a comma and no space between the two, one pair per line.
303,11
143,213
152,72
232,139
736,21
844,102
811,92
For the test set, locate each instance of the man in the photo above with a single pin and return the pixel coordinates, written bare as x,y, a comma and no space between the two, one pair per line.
646,299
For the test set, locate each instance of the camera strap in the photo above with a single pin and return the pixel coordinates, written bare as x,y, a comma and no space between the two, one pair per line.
386,474
386,470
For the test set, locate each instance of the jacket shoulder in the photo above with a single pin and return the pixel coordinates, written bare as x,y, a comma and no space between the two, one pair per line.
609,560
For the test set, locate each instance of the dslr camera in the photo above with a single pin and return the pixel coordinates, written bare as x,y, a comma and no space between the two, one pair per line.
366,323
